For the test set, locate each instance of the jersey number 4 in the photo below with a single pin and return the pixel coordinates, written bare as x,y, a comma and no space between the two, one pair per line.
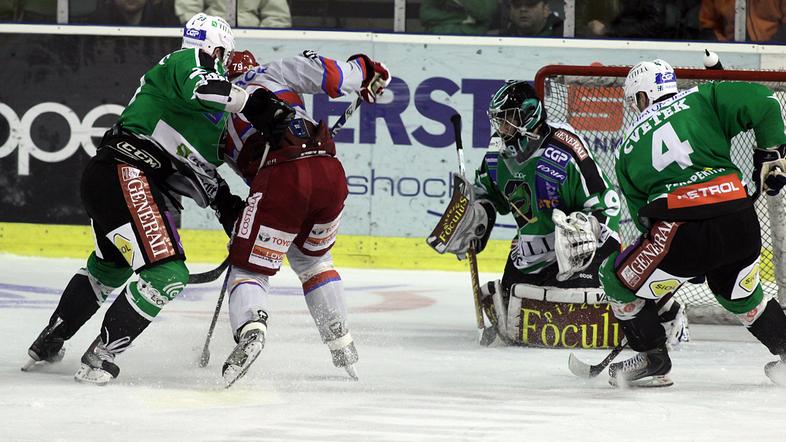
676,151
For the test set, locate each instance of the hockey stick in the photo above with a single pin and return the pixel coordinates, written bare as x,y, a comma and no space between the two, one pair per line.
473,261
204,358
345,116
584,370
209,276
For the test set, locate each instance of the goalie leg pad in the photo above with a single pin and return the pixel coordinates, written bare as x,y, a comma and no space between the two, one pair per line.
534,319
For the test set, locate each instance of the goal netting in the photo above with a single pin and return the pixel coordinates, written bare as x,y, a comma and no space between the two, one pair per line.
590,98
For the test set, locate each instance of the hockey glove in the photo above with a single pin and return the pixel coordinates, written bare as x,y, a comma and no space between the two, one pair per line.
769,170
227,207
376,80
466,223
268,113
575,241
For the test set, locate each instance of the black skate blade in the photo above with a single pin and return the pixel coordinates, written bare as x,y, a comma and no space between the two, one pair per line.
645,382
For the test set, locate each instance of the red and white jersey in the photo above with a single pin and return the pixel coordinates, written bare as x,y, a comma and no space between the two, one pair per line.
307,73
289,79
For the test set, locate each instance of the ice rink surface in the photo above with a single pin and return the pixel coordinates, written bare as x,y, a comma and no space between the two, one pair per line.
423,375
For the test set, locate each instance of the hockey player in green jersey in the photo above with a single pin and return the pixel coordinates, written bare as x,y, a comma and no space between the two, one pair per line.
567,217
164,145
687,198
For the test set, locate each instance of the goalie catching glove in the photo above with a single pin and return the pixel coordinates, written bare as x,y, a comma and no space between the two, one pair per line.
575,241
769,170
466,223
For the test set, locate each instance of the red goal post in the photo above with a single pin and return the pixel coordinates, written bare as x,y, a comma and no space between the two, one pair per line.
590,98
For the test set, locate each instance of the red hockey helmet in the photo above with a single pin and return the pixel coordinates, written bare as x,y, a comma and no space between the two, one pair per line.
240,62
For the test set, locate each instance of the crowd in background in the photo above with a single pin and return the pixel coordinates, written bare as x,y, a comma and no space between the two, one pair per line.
635,19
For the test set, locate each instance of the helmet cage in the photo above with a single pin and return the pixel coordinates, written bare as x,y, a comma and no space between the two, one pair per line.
521,121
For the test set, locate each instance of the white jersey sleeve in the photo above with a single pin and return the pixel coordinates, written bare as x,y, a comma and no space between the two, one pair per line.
308,73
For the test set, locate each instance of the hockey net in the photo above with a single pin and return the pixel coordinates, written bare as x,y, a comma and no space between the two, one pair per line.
590,98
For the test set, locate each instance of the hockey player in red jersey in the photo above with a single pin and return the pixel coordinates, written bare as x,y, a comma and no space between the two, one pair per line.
295,203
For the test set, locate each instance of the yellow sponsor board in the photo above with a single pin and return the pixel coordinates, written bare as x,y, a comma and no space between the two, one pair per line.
209,246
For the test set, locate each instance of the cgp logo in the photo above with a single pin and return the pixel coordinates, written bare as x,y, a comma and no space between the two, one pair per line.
20,133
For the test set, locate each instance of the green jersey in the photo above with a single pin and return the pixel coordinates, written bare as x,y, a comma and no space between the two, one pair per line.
560,174
166,109
675,161
180,108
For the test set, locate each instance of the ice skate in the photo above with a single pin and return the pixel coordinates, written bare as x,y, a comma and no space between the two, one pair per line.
346,357
250,345
776,371
342,349
646,369
47,347
98,364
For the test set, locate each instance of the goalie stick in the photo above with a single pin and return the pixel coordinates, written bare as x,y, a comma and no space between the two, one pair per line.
473,261
204,358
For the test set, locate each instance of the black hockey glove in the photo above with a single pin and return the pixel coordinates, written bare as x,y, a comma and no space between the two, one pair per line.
769,170
227,206
267,113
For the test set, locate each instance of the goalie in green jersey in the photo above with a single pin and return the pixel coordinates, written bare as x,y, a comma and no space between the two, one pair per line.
688,199
567,216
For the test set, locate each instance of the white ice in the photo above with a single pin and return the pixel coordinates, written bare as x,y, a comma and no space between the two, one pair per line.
423,375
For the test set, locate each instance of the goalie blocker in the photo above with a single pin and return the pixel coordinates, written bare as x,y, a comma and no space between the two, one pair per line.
466,222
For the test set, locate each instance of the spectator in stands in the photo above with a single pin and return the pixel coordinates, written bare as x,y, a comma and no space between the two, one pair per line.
8,10
682,19
468,17
263,14
36,11
764,22
636,19
185,9
532,18
134,13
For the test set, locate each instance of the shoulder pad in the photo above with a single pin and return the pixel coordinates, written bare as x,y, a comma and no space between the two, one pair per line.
572,142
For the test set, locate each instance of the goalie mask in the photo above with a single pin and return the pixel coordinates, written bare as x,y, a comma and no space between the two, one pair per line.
516,113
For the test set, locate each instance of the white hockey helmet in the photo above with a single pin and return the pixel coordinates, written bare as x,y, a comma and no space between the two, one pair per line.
208,32
655,78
